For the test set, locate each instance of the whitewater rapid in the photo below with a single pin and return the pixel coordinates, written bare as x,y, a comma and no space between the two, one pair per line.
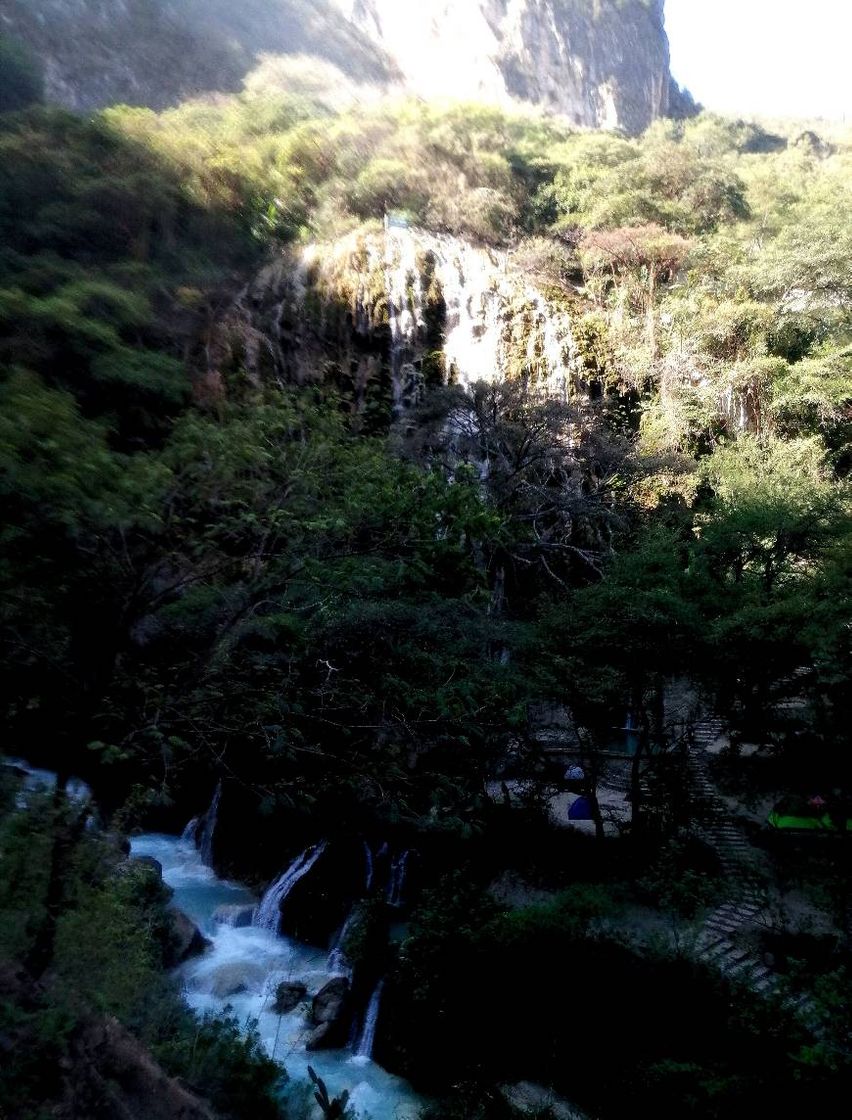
258,960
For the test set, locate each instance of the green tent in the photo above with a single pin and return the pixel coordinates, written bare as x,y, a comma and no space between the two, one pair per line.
798,814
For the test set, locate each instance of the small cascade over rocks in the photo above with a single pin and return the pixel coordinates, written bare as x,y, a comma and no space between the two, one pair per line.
338,963
405,316
268,914
368,883
367,1039
205,839
740,402
396,882
383,314
34,780
190,832
281,985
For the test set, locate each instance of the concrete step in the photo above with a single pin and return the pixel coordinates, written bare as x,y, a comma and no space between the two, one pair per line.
723,926
761,973
734,918
715,951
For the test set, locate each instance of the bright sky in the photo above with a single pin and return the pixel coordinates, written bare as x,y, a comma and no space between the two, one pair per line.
775,57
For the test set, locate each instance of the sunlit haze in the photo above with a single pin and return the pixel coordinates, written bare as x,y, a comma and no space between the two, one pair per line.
776,57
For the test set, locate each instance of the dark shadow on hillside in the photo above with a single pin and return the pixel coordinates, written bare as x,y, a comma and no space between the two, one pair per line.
155,53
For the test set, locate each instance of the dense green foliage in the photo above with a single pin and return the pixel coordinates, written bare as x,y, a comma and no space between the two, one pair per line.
113,941
534,993
208,575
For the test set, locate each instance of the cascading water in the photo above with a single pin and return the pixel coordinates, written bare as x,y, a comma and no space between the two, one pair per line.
268,915
364,1048
338,962
474,289
205,841
35,780
190,832
405,314
241,971
433,294
396,883
368,852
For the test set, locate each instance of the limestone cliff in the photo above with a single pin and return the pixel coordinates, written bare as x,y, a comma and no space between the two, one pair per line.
382,316
600,63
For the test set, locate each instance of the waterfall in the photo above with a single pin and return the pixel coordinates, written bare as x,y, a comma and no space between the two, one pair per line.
405,313
473,286
244,966
368,852
364,1049
35,780
338,962
205,842
430,292
191,831
268,915
396,884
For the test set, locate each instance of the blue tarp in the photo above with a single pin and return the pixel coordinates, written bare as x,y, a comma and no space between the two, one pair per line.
581,810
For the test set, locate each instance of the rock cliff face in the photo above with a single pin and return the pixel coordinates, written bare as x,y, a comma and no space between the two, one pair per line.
381,316
601,63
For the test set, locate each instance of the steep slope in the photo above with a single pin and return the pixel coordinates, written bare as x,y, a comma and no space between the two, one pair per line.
601,63
598,62
159,52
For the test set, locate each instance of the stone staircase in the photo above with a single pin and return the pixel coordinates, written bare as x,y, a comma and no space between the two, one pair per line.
714,822
706,732
718,943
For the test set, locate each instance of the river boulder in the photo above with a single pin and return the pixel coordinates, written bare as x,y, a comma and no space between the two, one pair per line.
187,939
319,1038
147,863
288,995
331,1000
530,1099
330,1014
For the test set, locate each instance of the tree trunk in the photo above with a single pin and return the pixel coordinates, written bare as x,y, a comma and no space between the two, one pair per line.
67,831
652,322
596,812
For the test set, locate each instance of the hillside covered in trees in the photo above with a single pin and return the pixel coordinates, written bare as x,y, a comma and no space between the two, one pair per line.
364,468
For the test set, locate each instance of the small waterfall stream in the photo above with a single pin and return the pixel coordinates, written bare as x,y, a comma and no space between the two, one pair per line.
396,883
205,841
268,914
35,780
191,831
405,313
364,1048
242,969
338,962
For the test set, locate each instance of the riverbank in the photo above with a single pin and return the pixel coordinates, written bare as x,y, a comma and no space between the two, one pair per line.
242,970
